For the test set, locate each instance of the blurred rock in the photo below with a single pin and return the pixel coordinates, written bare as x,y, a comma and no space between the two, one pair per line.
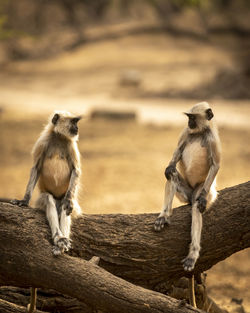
226,84
236,306
130,77
229,84
113,114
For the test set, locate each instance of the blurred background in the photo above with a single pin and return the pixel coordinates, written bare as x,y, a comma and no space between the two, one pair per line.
131,67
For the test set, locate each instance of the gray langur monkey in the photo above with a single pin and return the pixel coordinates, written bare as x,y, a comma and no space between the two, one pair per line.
193,179
57,170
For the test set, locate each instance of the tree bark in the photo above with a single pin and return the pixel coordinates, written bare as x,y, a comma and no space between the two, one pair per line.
128,247
47,300
7,307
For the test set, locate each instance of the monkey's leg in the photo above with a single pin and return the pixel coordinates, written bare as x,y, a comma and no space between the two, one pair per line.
65,223
194,249
47,202
163,218
175,185
31,307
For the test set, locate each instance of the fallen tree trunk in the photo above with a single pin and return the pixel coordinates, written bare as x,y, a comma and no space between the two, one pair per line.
52,301
128,247
26,260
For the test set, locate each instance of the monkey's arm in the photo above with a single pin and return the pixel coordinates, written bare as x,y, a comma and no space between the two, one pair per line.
180,148
214,161
176,156
210,177
72,184
34,175
70,194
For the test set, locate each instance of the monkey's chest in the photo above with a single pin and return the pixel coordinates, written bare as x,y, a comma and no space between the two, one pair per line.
55,176
194,163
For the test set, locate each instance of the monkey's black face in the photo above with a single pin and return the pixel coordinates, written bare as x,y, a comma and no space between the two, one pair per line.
73,130
192,123
73,126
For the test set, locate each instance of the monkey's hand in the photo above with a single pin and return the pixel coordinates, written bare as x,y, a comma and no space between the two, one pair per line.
202,203
67,205
23,202
160,222
170,170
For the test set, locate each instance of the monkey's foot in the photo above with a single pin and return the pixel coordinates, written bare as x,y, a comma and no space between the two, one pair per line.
188,263
64,244
160,222
56,250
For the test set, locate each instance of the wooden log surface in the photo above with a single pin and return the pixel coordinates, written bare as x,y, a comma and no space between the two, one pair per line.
7,307
47,300
26,260
128,247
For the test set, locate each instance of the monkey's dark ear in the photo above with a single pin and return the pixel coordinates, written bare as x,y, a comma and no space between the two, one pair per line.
55,118
209,114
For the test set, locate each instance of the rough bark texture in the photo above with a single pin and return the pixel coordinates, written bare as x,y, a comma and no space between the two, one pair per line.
128,248
26,260
7,307
52,301
47,300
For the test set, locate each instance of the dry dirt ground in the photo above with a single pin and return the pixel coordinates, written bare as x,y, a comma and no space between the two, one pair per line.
124,160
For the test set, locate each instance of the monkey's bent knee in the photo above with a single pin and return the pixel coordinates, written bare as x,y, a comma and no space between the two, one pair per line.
202,204
170,172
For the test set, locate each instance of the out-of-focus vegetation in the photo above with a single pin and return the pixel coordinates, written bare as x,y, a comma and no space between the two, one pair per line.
36,17
5,31
43,28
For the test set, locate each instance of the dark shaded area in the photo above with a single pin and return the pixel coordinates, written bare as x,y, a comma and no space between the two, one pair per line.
227,84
